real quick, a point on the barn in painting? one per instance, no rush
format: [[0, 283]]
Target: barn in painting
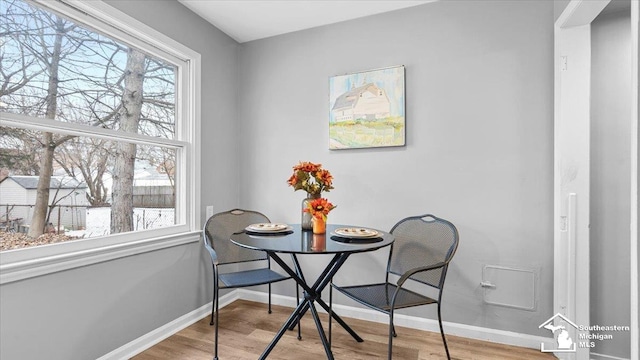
[[367, 102]]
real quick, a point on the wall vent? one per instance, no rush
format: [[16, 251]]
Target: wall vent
[[510, 287]]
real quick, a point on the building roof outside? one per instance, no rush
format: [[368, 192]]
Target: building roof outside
[[57, 182]]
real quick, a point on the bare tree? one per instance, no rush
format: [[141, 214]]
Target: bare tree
[[54, 69], [125, 153], [19, 151], [43, 42], [57, 199], [90, 157], [49, 142], [17, 70]]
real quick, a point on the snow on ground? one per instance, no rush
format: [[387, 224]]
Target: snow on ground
[[99, 220], [98, 224]]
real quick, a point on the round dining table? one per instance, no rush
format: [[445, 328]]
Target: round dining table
[[337, 241]]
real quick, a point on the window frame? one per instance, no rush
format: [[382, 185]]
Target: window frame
[[24, 263]]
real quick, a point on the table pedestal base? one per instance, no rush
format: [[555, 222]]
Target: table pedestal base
[[312, 295]]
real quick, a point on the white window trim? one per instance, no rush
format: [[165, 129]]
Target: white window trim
[[25, 263]]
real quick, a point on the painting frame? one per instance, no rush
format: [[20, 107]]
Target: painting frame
[[367, 109]]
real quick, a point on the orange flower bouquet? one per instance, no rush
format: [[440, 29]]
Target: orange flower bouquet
[[319, 209], [311, 178]]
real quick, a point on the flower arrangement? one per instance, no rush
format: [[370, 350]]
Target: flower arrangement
[[311, 178], [319, 208]]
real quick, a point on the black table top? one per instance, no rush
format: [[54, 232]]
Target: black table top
[[305, 242]]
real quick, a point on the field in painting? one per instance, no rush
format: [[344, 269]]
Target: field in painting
[[367, 133]]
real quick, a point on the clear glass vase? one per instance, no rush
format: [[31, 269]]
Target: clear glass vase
[[306, 223]]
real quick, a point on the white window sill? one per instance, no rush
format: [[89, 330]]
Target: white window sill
[[21, 269]]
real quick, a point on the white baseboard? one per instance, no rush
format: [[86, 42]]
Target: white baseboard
[[146, 341], [473, 332], [596, 356]]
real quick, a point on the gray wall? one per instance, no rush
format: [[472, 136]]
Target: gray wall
[[558, 7], [636, 39], [87, 312], [479, 90], [610, 191]]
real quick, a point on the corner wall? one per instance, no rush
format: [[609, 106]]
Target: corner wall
[[610, 174], [479, 90]]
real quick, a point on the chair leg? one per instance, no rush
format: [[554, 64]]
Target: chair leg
[[393, 328], [213, 303], [444, 340], [215, 357], [392, 332], [213, 306], [269, 298]]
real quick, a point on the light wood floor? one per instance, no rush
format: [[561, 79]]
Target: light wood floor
[[246, 328]]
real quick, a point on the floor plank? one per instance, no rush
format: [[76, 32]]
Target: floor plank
[[246, 329]]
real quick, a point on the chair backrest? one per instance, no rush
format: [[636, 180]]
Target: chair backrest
[[422, 241], [221, 226]]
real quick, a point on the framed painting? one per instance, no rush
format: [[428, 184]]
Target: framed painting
[[367, 109]]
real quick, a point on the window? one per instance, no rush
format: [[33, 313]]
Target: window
[[98, 135]]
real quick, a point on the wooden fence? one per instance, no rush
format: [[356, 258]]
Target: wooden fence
[[154, 197]]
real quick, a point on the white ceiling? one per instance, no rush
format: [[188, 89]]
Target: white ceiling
[[246, 20]]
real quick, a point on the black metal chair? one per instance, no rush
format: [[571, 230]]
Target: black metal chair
[[424, 245], [216, 234]]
